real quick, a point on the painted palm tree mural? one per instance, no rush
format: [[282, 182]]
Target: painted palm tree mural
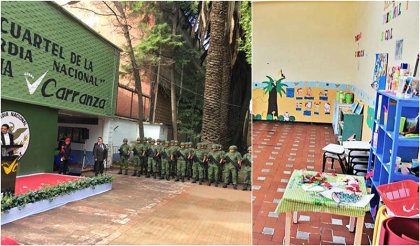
[[273, 88]]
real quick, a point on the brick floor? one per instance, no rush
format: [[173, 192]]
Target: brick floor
[[143, 211], [299, 146]]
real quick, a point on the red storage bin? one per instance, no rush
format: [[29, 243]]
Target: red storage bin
[[401, 197], [399, 231]]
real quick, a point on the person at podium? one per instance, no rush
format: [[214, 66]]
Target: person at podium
[[6, 140]]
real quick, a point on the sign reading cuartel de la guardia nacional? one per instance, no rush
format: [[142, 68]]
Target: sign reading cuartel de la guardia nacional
[[48, 58]]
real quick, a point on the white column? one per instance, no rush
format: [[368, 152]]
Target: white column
[[107, 137]]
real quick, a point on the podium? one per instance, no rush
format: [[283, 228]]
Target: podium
[[9, 164]]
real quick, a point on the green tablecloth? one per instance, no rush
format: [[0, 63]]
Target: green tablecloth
[[295, 198]]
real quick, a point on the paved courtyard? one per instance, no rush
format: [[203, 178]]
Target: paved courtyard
[[143, 211]]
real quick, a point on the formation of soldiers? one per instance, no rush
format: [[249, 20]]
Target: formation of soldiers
[[170, 160]]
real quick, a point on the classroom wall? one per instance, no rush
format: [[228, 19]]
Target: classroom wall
[[315, 41], [307, 40], [315, 57], [369, 19]]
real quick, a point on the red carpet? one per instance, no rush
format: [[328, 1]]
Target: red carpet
[[36, 181]]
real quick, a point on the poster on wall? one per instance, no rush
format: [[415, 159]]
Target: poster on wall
[[399, 49], [379, 74], [302, 101]]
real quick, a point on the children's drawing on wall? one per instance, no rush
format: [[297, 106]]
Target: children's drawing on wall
[[273, 88], [299, 93], [286, 116], [379, 73], [308, 109], [308, 95], [298, 106], [323, 95], [290, 92], [327, 108], [317, 105], [399, 49]]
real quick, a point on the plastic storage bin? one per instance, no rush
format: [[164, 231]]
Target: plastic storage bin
[[402, 197]]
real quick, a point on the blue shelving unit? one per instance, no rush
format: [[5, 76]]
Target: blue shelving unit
[[390, 143]]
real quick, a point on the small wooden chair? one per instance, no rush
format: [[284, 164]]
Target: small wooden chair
[[334, 152]]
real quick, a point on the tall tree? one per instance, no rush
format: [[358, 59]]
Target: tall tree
[[122, 20]]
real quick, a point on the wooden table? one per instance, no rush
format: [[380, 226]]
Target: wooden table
[[296, 199]]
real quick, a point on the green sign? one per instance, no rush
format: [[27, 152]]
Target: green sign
[[49, 58]]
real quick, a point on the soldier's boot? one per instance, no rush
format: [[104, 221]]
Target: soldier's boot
[[120, 172], [200, 181], [194, 180], [138, 174], [135, 173], [224, 185], [126, 172], [245, 187], [216, 184], [177, 179], [235, 187], [147, 175], [249, 187], [209, 183], [167, 176], [161, 176], [155, 175], [182, 179]]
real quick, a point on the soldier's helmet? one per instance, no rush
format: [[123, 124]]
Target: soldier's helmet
[[152, 140], [233, 147], [172, 142], [158, 140], [214, 147], [166, 143], [139, 139], [249, 148], [176, 142], [203, 145], [182, 144], [198, 145], [125, 140]]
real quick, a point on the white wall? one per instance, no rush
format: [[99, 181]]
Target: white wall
[[369, 21], [308, 40]]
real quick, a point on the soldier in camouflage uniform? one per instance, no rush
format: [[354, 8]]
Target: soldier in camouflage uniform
[[214, 159], [173, 158], [137, 149], [143, 158], [221, 153], [189, 162], [150, 155], [181, 163], [124, 155], [205, 149], [198, 165], [157, 163], [165, 157], [246, 167], [231, 167]]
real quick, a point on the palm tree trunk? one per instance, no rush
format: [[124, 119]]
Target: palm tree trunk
[[272, 103], [215, 61]]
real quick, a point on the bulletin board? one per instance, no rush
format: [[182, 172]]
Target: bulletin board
[[302, 101]]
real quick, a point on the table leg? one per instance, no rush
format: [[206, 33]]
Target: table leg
[[295, 217], [287, 228], [359, 230]]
